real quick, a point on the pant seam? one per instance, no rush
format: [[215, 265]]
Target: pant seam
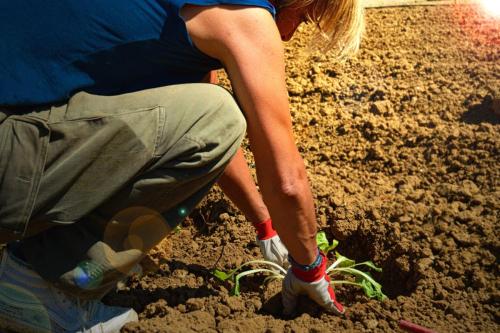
[[160, 130]]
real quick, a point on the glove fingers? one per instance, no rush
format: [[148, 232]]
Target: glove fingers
[[337, 307], [326, 299], [272, 249]]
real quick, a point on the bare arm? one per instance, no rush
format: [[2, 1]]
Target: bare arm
[[237, 183], [247, 42]]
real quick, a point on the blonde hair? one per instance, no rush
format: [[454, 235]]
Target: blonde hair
[[340, 23]]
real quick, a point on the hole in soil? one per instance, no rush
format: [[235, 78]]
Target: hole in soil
[[398, 276]]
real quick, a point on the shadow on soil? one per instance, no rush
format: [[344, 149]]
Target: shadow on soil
[[484, 112], [138, 297]]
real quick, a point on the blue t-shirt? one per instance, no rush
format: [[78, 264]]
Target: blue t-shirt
[[51, 49]]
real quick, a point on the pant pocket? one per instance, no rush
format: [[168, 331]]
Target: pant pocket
[[92, 158], [23, 150]]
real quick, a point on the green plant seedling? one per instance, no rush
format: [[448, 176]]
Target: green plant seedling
[[341, 266], [364, 280], [277, 272]]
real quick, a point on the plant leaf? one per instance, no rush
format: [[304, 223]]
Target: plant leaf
[[273, 278], [223, 276], [371, 287], [236, 289], [367, 287], [278, 273], [369, 264], [334, 282], [358, 274], [344, 261], [323, 243], [372, 291], [262, 262], [341, 261]]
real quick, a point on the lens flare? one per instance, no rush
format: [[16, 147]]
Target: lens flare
[[491, 7], [182, 211]]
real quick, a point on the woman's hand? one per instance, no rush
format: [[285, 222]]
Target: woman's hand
[[314, 283]]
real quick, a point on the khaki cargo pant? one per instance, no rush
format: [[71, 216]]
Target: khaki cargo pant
[[88, 187]]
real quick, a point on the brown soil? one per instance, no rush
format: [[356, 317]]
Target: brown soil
[[402, 147]]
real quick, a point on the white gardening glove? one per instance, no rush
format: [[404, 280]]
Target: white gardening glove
[[274, 250], [314, 283], [270, 244]]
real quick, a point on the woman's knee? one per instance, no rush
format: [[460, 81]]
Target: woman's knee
[[226, 121], [229, 115]]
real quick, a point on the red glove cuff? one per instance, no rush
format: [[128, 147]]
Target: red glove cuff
[[313, 274], [265, 229]]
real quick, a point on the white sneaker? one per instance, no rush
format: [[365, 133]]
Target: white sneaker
[[30, 304]]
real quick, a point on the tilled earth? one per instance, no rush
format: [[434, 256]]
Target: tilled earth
[[402, 148]]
